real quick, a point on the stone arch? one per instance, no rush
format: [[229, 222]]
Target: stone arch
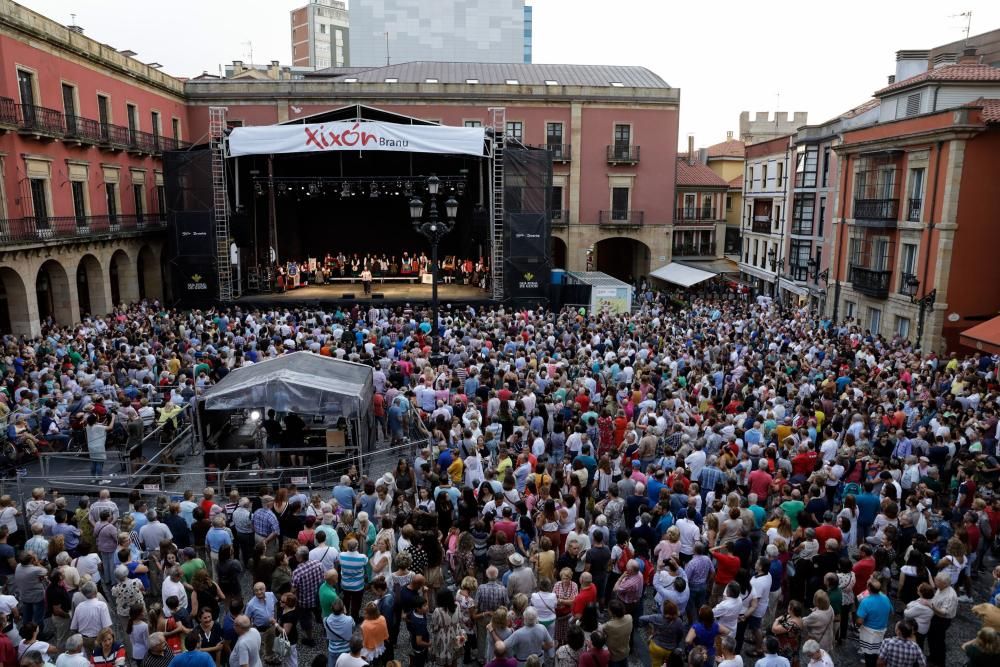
[[15, 307], [91, 291], [150, 275], [123, 278], [558, 253], [52, 291], [622, 257]]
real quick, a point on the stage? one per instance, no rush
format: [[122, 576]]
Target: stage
[[391, 292]]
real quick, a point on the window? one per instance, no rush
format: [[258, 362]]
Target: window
[[822, 216], [132, 114], [763, 177], [69, 107], [473, 123], [803, 208], [175, 130], [908, 258], [26, 86], [468, 81], [902, 326], [40, 201], [104, 115], [780, 169], [880, 254], [756, 247], [707, 210], [746, 251], [553, 135], [851, 308], [551, 82], [876, 180], [391, 79], [623, 140], [916, 194], [805, 166], [777, 218], [161, 201], [79, 191], [430, 80], [154, 119], [111, 196], [139, 197], [556, 203], [874, 320], [799, 253], [511, 82], [619, 203], [233, 123], [911, 107], [322, 28], [826, 166], [617, 84], [515, 129], [729, 203]]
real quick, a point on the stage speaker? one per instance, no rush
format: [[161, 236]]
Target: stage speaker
[[378, 295], [347, 295]]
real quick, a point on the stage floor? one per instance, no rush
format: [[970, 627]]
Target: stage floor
[[391, 292]]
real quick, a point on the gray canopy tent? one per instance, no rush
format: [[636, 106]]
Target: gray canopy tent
[[304, 383]]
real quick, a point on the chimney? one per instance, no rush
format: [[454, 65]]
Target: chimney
[[729, 135], [969, 56], [78, 29], [237, 67], [703, 155], [892, 79], [274, 72], [691, 149], [910, 63]]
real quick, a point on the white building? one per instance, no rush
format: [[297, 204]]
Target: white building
[[765, 183], [320, 35], [398, 31]]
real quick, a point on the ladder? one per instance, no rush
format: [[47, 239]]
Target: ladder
[[220, 200], [498, 123]]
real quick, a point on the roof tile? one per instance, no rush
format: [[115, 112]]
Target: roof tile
[[727, 148], [698, 174], [959, 72]]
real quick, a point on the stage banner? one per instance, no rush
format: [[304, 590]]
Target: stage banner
[[356, 136], [526, 279]]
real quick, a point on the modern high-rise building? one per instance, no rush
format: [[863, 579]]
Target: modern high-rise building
[[385, 32], [320, 35]]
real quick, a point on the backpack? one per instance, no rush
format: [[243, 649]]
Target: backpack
[[648, 570], [625, 557], [853, 488]]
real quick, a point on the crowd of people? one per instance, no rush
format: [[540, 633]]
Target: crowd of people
[[697, 482]]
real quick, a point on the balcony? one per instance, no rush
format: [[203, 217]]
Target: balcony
[[874, 283], [913, 208], [560, 152], [621, 218], [876, 213], [559, 217], [30, 230], [759, 226], [702, 250], [623, 154], [904, 278], [41, 122], [798, 273], [687, 214]]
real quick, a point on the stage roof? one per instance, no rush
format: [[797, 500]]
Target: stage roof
[[359, 111], [301, 382], [678, 274]]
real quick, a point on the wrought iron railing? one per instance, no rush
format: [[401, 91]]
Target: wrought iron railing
[[24, 230], [873, 282], [876, 209], [761, 226], [621, 217], [623, 153], [560, 152], [559, 217], [913, 209], [695, 214], [35, 119]]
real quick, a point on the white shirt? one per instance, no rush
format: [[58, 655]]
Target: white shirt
[[824, 660], [327, 555], [727, 612], [760, 588], [689, 535], [171, 587], [828, 450], [90, 617]]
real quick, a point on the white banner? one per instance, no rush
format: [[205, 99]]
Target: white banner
[[356, 136]]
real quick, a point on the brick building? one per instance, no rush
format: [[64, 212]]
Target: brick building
[[82, 131]]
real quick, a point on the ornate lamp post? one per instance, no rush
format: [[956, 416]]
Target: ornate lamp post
[[910, 288], [812, 271], [433, 229], [777, 265]]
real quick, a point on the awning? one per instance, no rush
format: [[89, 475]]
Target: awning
[[678, 274], [719, 265], [799, 290], [984, 337]]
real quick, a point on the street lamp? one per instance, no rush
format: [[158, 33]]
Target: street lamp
[[811, 268], [910, 287], [777, 265], [433, 229]]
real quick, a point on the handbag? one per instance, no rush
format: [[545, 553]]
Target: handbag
[[282, 647]]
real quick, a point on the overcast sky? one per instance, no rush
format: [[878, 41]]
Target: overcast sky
[[725, 56]]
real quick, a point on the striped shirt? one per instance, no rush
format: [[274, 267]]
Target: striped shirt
[[352, 570]]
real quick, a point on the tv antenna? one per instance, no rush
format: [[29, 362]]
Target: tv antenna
[[249, 51], [967, 15], [777, 105]]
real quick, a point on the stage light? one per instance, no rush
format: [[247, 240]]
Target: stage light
[[408, 189], [374, 191], [460, 188], [255, 415], [313, 189], [282, 188], [258, 188], [345, 190]]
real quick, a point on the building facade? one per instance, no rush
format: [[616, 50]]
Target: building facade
[[387, 32], [82, 132], [612, 132], [727, 159], [765, 179], [915, 224], [699, 223], [321, 35], [764, 127]]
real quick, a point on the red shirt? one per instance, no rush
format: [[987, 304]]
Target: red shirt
[[587, 595], [378, 405], [760, 483], [595, 658], [584, 402], [825, 532], [206, 507], [862, 571], [8, 656], [726, 567], [508, 528], [804, 463]]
